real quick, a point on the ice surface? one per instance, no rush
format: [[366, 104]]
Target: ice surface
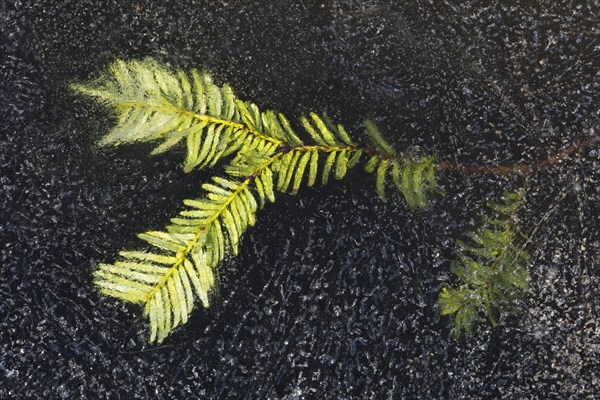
[[333, 294]]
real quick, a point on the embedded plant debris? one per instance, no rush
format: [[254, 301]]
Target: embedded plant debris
[[263, 154]]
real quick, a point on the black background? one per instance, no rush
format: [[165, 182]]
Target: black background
[[333, 294]]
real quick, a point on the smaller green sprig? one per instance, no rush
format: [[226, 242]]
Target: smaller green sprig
[[490, 267]]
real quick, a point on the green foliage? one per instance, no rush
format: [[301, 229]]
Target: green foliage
[[185, 255], [490, 268], [154, 104], [266, 155], [413, 176], [385, 149]]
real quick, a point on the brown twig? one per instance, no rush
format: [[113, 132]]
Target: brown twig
[[516, 169]]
